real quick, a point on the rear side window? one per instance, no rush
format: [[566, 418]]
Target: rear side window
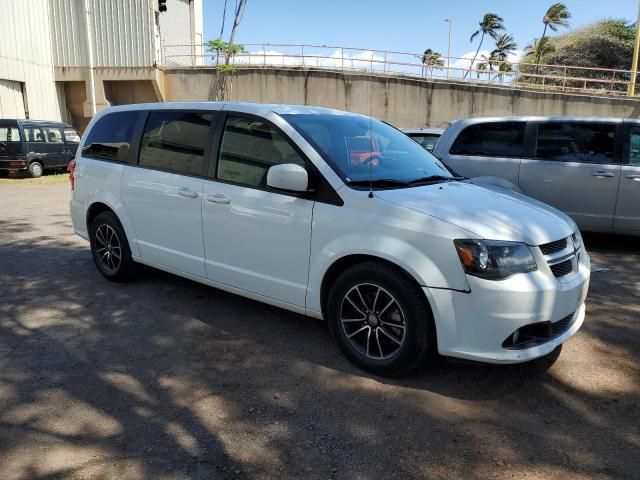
[[53, 135], [249, 148], [111, 136], [9, 134], [176, 141], [577, 142], [500, 139], [34, 134]]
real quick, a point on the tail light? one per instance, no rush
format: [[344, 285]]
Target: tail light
[[72, 171]]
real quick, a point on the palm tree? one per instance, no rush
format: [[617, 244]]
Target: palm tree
[[557, 16], [537, 48], [431, 59], [505, 46], [490, 25]]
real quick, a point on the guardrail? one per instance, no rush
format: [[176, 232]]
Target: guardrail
[[560, 78]]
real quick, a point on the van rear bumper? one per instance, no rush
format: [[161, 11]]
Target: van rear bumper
[[13, 164]]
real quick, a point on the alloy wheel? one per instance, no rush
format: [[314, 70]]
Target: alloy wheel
[[108, 249]]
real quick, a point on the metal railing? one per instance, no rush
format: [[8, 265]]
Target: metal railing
[[559, 78]]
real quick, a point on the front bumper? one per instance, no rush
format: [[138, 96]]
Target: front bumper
[[475, 325]]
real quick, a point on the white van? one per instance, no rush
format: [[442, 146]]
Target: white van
[[332, 215]]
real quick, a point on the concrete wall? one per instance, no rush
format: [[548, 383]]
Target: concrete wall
[[404, 102]]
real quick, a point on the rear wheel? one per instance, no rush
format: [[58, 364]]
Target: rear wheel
[[380, 319], [110, 248], [35, 169]]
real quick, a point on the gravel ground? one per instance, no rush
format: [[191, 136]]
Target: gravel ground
[[168, 379]]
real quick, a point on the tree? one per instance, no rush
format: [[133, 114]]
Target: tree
[[490, 25], [557, 15], [431, 60], [223, 82], [540, 47]]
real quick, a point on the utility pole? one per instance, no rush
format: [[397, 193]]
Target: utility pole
[[448, 20], [634, 67]]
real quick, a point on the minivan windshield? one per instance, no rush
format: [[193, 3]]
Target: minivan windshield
[[366, 151]]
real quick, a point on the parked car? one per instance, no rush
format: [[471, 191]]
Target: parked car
[[401, 257], [427, 137], [587, 167], [36, 146]]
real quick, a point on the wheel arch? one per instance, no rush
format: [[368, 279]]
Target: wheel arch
[[100, 205]]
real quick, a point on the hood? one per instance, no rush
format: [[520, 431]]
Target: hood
[[491, 214]]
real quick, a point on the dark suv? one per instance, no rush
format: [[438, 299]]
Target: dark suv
[[36, 146]]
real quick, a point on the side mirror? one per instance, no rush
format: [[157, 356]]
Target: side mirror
[[288, 176]]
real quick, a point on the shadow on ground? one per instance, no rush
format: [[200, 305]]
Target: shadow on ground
[[167, 378]]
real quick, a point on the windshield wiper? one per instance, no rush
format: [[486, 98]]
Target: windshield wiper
[[380, 182], [433, 179]]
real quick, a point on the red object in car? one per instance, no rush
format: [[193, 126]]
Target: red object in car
[[363, 151], [72, 171]]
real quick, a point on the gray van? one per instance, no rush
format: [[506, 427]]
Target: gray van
[[587, 167], [35, 146]]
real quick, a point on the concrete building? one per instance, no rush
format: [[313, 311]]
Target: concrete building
[[67, 59]]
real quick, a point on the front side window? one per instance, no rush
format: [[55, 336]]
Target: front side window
[[71, 135], [249, 147], [499, 139], [634, 147], [577, 142], [53, 135], [34, 135], [175, 142], [9, 134], [110, 137], [361, 149]]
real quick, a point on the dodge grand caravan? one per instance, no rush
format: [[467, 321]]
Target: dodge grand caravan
[[401, 257]]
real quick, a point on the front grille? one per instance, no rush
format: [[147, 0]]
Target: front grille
[[562, 269], [537, 333], [554, 247]]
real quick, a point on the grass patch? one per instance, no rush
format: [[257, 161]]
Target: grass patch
[[47, 179]]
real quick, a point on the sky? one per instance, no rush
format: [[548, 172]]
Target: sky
[[401, 25]]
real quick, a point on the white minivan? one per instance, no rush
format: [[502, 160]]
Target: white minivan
[[332, 215]]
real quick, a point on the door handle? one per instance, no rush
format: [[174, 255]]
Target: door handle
[[634, 177], [602, 174], [185, 192], [217, 198]]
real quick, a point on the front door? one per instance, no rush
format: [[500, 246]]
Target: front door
[[163, 192], [628, 207], [256, 239], [576, 169]]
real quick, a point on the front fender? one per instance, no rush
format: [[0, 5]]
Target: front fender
[[446, 273]]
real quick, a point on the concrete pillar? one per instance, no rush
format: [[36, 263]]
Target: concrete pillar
[[100, 97]]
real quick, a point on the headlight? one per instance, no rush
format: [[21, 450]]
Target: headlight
[[494, 260]]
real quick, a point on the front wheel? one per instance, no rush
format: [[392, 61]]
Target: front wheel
[[35, 169], [381, 319], [110, 248]]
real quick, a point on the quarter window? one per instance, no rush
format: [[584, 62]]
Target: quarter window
[[634, 147], [500, 139], [110, 138], [9, 134], [176, 141], [249, 148], [577, 142]]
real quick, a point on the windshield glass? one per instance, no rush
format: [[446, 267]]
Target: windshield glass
[[363, 149]]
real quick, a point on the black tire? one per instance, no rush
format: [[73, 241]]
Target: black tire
[[411, 309], [4, 173], [35, 169], [107, 239]]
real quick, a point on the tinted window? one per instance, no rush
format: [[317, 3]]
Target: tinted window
[[71, 135], [427, 141], [9, 134], [634, 146], [34, 134], [503, 139], [175, 141], [359, 148], [110, 138], [249, 148], [52, 135], [577, 142]]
